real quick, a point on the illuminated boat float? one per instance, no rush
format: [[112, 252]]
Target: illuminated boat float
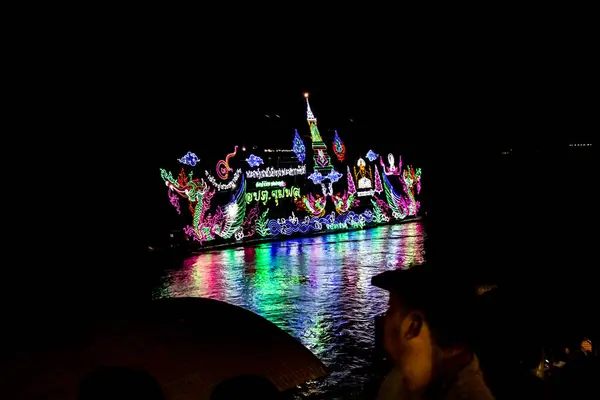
[[245, 198]]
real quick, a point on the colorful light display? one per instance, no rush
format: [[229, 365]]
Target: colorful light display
[[391, 169], [396, 202], [190, 159], [265, 196], [298, 147], [378, 186], [254, 161], [351, 186], [261, 184], [276, 173], [314, 205], [338, 148], [366, 197], [223, 168], [344, 202], [371, 155], [224, 186]]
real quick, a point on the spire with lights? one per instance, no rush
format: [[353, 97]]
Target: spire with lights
[[309, 114], [323, 172]]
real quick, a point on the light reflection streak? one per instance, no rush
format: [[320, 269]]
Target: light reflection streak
[[318, 289]]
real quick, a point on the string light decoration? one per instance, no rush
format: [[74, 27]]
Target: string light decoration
[[174, 199], [351, 186], [261, 184], [379, 215], [247, 213], [410, 178], [327, 189], [344, 202], [234, 212], [189, 158], [395, 201], [271, 172], [298, 147], [196, 191], [334, 176], [378, 186], [254, 161], [316, 177], [223, 168], [224, 186], [371, 155], [293, 224], [262, 224], [322, 161], [250, 222], [391, 169], [314, 205], [338, 147], [265, 196]]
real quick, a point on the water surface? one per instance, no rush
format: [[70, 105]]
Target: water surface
[[318, 289]]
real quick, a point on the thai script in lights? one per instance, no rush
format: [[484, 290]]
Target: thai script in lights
[[278, 150], [365, 193], [276, 173], [265, 196], [261, 184], [224, 186]]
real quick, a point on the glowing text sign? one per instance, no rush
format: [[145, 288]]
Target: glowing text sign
[[276, 173], [265, 196], [261, 184]]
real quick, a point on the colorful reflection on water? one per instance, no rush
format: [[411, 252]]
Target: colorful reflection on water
[[317, 289]]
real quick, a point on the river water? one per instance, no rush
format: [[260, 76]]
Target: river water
[[318, 289]]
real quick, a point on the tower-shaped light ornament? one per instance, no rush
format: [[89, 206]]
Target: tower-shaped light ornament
[[322, 160], [351, 186], [298, 147], [378, 185]]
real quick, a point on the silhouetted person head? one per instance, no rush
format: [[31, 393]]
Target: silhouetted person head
[[119, 383], [245, 387], [429, 326]]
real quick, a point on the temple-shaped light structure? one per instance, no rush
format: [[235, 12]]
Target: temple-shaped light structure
[[321, 158]]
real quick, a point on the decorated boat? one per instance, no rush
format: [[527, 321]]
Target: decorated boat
[[307, 189]]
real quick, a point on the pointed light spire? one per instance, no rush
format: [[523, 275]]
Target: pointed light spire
[[309, 114]]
